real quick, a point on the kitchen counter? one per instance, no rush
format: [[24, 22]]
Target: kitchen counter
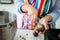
[[27, 35]]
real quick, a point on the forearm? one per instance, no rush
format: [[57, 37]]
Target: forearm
[[18, 4], [55, 15], [48, 18]]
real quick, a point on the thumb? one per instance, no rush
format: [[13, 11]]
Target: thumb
[[46, 27]]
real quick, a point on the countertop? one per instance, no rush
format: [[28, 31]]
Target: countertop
[[27, 35]]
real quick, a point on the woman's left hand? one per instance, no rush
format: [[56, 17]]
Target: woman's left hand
[[45, 21]]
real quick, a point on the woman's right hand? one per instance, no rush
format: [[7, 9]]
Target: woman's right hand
[[25, 6], [30, 10]]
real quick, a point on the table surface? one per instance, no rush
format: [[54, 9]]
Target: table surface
[[27, 35]]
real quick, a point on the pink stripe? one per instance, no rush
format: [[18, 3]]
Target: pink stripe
[[33, 2]]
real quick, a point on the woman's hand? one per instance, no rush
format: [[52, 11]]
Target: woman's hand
[[30, 10], [25, 6], [45, 21]]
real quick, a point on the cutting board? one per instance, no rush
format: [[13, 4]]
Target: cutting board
[[27, 35]]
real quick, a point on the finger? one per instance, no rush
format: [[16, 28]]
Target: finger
[[24, 8], [41, 32], [46, 27], [35, 30]]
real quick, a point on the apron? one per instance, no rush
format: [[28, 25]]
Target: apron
[[43, 7]]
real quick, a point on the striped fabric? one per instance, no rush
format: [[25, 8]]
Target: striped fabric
[[32, 2], [43, 6]]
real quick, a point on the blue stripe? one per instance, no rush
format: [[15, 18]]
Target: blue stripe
[[31, 1], [36, 5], [46, 7], [53, 25]]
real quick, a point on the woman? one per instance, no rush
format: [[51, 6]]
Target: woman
[[49, 18]]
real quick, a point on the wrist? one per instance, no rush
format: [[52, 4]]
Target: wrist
[[48, 18]]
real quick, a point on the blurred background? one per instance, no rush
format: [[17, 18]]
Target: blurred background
[[8, 5]]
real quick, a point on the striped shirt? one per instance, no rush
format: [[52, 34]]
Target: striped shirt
[[54, 12]]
